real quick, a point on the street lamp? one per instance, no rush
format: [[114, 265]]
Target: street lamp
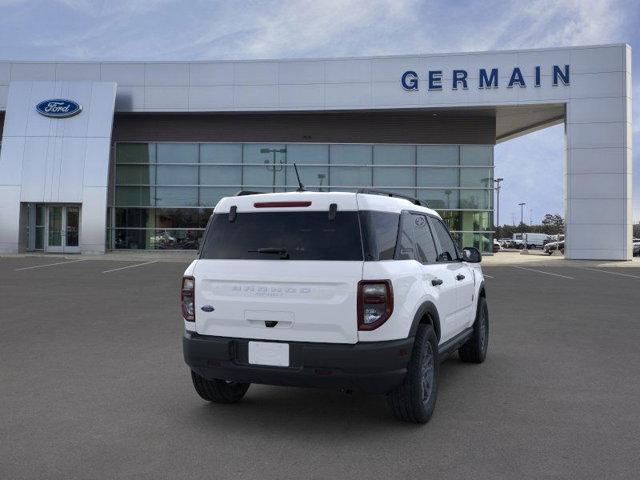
[[497, 181], [524, 240], [273, 165]]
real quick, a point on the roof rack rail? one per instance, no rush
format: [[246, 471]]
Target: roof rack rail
[[373, 191], [242, 193]]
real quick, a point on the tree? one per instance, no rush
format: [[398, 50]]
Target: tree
[[553, 220]]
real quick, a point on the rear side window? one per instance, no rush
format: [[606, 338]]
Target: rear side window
[[380, 232], [284, 235], [415, 241], [425, 247], [448, 250]]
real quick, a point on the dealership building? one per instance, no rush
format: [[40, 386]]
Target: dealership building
[[99, 156]]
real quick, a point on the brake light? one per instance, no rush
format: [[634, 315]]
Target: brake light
[[281, 204], [187, 298], [375, 303]]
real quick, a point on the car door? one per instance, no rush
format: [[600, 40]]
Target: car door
[[438, 280], [461, 274]]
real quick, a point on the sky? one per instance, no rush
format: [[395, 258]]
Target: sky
[[532, 165]]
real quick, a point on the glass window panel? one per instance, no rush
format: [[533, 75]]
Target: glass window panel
[[438, 177], [221, 153], [214, 175], [351, 176], [476, 155], [471, 221], [131, 239], [177, 152], [39, 238], [135, 196], [40, 217], [135, 174], [351, 155], [307, 154], [210, 196], [262, 176], [476, 199], [394, 154], [134, 217], [312, 177], [177, 217], [482, 241], [177, 175], [175, 239], [135, 153], [452, 219], [440, 199], [176, 196], [438, 155], [476, 177], [394, 177]]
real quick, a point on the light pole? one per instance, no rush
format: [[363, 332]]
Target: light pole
[[274, 166], [524, 240], [448, 194], [497, 181]]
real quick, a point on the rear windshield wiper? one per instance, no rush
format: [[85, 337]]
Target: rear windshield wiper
[[284, 254]]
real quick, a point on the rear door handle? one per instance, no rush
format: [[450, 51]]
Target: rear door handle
[[459, 277], [436, 281]]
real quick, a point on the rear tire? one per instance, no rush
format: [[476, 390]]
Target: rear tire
[[219, 391], [415, 400], [475, 349]]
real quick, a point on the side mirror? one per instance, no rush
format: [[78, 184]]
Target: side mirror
[[471, 255]]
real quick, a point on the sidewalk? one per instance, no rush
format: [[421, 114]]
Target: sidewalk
[[536, 257]]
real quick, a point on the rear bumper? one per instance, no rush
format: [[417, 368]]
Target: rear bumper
[[373, 367]]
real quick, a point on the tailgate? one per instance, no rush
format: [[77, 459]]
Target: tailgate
[[304, 301]]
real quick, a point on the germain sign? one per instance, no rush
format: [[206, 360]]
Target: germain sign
[[487, 78], [58, 108]]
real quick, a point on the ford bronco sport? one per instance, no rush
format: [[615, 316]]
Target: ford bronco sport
[[356, 291]]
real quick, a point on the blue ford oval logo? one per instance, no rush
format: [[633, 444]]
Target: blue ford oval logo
[[58, 108]]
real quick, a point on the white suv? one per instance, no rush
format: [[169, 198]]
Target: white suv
[[356, 291]]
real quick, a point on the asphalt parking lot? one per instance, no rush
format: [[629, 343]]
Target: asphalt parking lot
[[93, 385]]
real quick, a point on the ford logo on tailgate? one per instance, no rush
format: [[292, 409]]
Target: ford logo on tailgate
[[58, 108]]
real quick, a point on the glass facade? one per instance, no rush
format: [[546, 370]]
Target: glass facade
[[164, 192]]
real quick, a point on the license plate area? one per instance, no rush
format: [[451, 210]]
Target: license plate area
[[269, 353]]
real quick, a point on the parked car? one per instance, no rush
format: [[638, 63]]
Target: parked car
[[636, 247], [533, 240], [553, 246], [496, 246], [354, 291]]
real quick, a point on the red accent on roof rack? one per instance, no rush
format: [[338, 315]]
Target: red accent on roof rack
[[281, 204]]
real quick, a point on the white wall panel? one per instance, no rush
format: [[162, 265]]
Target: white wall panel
[[206, 74], [11, 156], [77, 72], [300, 72], [301, 96], [9, 218], [130, 74], [166, 98], [166, 74], [256, 73], [33, 71]]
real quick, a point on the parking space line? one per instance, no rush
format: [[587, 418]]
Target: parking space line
[[545, 273], [130, 266], [610, 273], [49, 265], [485, 275]]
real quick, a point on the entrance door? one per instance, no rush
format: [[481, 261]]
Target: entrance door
[[63, 227]]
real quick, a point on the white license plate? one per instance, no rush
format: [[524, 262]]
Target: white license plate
[[269, 353]]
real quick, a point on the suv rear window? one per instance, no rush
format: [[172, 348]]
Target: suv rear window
[[284, 235]]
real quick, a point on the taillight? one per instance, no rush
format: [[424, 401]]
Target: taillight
[[375, 303], [187, 298]]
